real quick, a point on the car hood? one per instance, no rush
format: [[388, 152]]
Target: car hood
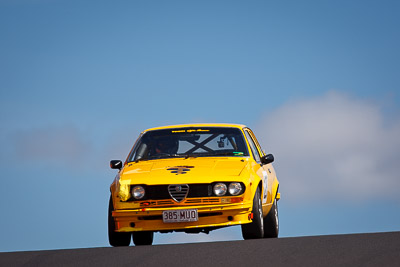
[[177, 171]]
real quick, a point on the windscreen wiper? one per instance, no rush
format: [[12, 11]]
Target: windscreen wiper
[[233, 153], [190, 156], [166, 155], [139, 159]]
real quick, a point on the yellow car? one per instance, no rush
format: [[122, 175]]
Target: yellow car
[[193, 178]]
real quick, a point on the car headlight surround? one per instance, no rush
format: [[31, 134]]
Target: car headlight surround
[[220, 189], [138, 192], [235, 188]]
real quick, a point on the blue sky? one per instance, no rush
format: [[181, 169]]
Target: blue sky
[[318, 81]]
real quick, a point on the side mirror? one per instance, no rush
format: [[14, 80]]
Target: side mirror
[[116, 164], [267, 159]]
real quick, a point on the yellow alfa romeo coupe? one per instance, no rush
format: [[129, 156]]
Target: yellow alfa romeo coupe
[[193, 178]]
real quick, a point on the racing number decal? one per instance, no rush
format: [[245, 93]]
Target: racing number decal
[[265, 175]]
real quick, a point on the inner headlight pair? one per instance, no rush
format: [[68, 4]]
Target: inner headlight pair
[[138, 192], [234, 189]]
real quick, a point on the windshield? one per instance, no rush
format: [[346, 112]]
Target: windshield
[[189, 142]]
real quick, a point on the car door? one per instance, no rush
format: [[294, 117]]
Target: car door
[[258, 167], [267, 171]]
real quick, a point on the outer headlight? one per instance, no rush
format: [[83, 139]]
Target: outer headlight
[[138, 192], [235, 189], [220, 189]]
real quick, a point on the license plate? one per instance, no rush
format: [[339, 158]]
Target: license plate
[[172, 216]]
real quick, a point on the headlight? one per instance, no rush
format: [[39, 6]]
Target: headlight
[[219, 189], [235, 189], [138, 192]]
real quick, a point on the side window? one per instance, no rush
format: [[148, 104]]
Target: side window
[[257, 143], [253, 147], [132, 154]]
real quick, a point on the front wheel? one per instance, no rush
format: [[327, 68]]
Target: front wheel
[[116, 239], [142, 238], [271, 222], [255, 229]]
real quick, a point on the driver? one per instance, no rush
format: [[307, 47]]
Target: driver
[[166, 146]]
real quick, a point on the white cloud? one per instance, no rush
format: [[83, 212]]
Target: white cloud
[[51, 144], [333, 147], [67, 146]]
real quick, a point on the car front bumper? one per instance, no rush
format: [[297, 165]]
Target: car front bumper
[[150, 219]]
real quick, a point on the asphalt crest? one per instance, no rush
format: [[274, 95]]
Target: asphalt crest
[[374, 249]]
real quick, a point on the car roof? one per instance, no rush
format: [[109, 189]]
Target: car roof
[[227, 125]]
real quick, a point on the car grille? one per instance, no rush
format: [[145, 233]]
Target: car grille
[[178, 192], [161, 192], [204, 200], [168, 195], [187, 201]]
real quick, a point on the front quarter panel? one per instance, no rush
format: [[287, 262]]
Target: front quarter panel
[[119, 190]]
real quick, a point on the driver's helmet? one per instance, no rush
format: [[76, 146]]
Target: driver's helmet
[[166, 145]]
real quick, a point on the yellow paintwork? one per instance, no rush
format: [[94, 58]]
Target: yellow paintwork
[[205, 170]]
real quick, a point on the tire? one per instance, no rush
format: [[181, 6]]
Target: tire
[[116, 239], [142, 238], [271, 222], [255, 229]]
